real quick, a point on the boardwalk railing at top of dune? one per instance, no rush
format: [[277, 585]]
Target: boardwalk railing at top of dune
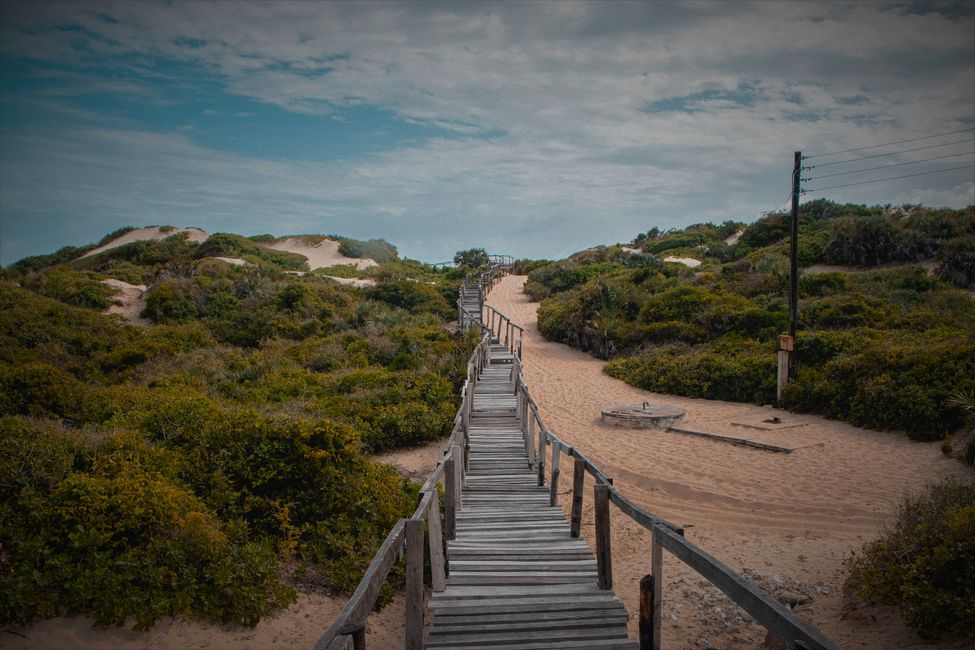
[[407, 536]]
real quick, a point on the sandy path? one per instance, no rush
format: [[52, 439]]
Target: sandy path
[[796, 516]]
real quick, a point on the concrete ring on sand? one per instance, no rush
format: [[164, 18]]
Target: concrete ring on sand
[[642, 416]]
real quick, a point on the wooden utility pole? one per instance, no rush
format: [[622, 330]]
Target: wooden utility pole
[[794, 254]]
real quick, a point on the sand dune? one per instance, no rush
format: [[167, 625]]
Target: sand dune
[[796, 516], [152, 232], [319, 255]]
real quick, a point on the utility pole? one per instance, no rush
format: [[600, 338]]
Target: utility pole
[[794, 254]]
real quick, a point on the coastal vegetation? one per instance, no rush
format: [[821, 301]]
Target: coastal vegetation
[[884, 344], [886, 340], [924, 562], [211, 462]]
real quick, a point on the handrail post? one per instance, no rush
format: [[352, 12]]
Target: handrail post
[[450, 492], [542, 439], [554, 495], [414, 584], [578, 481], [530, 442], [459, 478], [657, 569], [604, 560], [438, 580]]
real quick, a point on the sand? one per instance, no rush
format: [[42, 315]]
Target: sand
[[299, 626], [791, 518], [686, 261], [319, 255], [128, 302], [152, 232]]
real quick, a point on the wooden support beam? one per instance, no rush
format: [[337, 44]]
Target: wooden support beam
[[657, 599], [438, 578], [542, 433], [604, 554], [554, 494], [578, 481], [414, 584], [450, 492], [646, 612]]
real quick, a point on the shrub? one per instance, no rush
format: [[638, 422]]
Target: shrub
[[71, 287], [378, 250], [924, 562]]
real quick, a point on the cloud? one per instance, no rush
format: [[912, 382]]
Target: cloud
[[568, 123]]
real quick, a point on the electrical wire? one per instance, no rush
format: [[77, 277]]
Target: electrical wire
[[900, 164], [892, 178], [892, 153], [888, 144]]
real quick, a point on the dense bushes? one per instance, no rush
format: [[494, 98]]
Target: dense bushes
[[196, 466], [924, 562], [884, 348], [379, 250]]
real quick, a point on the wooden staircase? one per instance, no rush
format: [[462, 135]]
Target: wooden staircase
[[517, 578]]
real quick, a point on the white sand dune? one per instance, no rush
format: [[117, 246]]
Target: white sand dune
[[319, 255], [153, 232], [686, 261]]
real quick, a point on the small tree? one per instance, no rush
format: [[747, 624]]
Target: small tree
[[472, 257]]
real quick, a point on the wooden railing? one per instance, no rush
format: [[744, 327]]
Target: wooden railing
[[778, 619], [407, 536]]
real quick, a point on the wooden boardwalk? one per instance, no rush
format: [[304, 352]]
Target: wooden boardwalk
[[517, 579]]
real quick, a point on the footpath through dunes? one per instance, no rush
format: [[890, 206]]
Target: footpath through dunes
[[517, 578], [787, 521]]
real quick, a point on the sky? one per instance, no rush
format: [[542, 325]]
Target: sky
[[534, 129]]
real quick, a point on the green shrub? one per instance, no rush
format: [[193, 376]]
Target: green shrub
[[71, 287], [924, 562], [228, 245], [378, 250]]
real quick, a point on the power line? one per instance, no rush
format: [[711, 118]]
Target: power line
[[892, 153], [892, 178], [911, 162], [887, 144]]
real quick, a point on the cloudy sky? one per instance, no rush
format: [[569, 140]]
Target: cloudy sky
[[529, 128]]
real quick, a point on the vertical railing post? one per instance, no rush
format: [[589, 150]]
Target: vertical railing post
[[657, 568], [414, 584], [459, 478], [556, 455], [542, 440], [646, 612], [604, 554], [578, 481], [438, 580], [530, 442], [450, 492]]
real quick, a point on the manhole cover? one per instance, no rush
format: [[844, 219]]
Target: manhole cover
[[643, 416]]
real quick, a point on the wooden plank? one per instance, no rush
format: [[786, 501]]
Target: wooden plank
[[521, 636]]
